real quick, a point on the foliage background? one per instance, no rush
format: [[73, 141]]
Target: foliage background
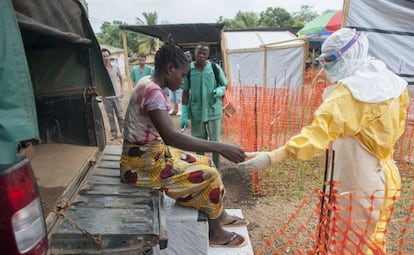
[[138, 43]]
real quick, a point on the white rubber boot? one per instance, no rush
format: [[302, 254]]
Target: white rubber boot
[[172, 111], [179, 110]]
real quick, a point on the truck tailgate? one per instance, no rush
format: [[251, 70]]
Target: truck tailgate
[[107, 216]]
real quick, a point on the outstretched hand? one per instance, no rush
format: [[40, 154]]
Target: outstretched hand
[[263, 159], [259, 160], [232, 152]]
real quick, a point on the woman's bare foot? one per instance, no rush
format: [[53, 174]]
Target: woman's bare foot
[[227, 220], [227, 239], [218, 236]]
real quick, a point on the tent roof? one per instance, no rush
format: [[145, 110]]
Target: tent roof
[[181, 33], [236, 40], [293, 30]]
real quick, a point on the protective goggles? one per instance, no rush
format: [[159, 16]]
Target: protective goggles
[[328, 60]]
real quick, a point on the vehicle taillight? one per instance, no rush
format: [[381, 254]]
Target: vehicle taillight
[[21, 213], [28, 226]]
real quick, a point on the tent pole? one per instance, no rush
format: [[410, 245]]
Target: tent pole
[[313, 58], [291, 40], [124, 43]]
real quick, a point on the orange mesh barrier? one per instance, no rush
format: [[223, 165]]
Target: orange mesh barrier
[[265, 118], [344, 225]]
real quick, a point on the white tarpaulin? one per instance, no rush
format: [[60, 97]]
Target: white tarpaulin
[[263, 58], [389, 26]]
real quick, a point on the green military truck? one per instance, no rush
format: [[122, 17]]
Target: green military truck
[[51, 71], [68, 198]]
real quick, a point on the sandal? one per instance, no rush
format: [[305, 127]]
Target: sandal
[[236, 222], [232, 242]]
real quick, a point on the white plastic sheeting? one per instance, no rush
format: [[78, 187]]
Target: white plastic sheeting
[[264, 58], [389, 27]]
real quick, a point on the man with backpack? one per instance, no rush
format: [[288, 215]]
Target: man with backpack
[[203, 89]]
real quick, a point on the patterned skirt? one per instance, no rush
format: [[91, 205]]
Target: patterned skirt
[[190, 179]]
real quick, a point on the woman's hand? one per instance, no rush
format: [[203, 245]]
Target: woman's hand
[[232, 152]]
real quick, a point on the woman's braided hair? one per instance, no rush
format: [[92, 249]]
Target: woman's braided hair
[[169, 53]]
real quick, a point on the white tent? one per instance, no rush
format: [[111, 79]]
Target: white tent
[[389, 26], [264, 58]]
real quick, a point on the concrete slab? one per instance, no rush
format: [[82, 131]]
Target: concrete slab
[[245, 250]]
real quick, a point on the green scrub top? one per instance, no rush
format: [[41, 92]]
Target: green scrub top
[[136, 73], [203, 106]]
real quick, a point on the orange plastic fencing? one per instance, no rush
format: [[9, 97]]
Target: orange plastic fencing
[[328, 223], [265, 118]]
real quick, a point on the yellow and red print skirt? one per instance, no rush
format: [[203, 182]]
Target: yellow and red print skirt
[[188, 178]]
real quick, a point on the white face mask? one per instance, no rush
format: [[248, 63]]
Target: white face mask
[[333, 74], [332, 58]]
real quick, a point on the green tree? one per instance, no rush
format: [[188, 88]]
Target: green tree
[[242, 20], [147, 44], [111, 35], [151, 18], [275, 17], [305, 14]]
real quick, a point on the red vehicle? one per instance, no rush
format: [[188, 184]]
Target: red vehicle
[[23, 229]]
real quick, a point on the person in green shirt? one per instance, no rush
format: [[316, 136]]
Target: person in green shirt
[[141, 70], [202, 98]]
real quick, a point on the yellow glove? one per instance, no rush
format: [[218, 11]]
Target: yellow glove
[[262, 159]]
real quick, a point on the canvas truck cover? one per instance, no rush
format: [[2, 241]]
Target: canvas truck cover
[[35, 35], [389, 25], [59, 32], [17, 107]]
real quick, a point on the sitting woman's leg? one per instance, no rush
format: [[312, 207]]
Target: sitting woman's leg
[[188, 178]]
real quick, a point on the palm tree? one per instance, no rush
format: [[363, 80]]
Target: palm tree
[[148, 43]]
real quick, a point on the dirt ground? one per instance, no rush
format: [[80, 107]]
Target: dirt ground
[[266, 214]]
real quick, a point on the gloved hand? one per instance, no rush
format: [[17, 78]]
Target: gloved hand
[[262, 159], [183, 119], [219, 91], [278, 155]]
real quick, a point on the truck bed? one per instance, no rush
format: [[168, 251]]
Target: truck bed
[[105, 215], [56, 168]]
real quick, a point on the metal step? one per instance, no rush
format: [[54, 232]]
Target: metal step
[[110, 217]]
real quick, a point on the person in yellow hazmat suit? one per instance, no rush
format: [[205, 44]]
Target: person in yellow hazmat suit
[[363, 114]]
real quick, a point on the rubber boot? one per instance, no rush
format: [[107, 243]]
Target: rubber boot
[[179, 110]]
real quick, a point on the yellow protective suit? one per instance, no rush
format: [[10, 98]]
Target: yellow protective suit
[[365, 135]]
